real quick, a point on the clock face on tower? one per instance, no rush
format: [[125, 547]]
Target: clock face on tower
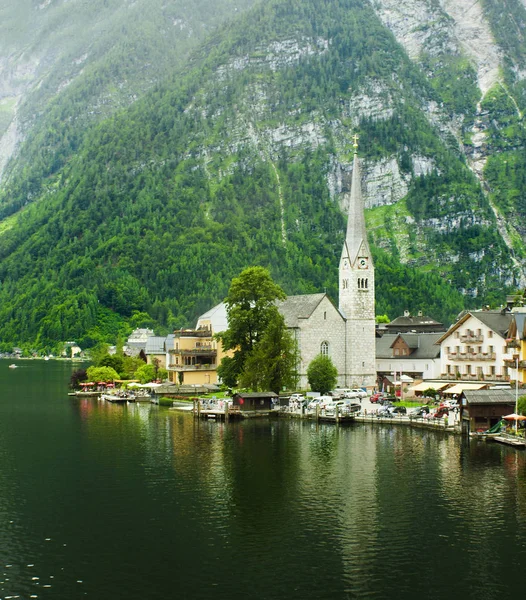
[[363, 262]]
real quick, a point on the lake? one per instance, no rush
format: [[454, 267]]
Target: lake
[[139, 502]]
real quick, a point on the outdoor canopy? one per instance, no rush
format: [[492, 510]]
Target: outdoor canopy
[[514, 417]]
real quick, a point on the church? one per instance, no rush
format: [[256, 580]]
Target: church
[[345, 333]]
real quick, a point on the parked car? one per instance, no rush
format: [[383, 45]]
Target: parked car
[[384, 411], [359, 393], [420, 412], [297, 397], [441, 412], [346, 405], [398, 410], [376, 397]]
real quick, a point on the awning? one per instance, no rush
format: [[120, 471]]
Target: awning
[[460, 387], [426, 385]]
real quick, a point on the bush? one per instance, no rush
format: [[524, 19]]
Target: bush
[[163, 401]]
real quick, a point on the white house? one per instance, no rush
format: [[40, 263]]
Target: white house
[[475, 347]]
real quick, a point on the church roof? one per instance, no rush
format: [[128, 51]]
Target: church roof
[[294, 308], [356, 235]]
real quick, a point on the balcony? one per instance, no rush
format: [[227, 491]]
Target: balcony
[[472, 338], [512, 343], [512, 364], [197, 367], [471, 356], [201, 351]]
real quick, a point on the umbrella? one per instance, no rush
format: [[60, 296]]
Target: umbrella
[[514, 417]]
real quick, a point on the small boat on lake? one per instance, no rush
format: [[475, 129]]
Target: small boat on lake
[[13, 366]]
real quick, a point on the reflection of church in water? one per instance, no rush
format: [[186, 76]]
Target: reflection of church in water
[[346, 334]]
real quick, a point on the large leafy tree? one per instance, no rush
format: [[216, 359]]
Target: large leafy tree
[[272, 364], [521, 405], [322, 374], [251, 306], [256, 332]]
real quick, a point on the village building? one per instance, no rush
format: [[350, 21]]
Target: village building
[[193, 355], [475, 347], [157, 350], [481, 409], [415, 355]]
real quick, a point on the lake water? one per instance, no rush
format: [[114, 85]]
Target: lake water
[[139, 502]]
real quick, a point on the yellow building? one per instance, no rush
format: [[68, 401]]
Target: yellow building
[[195, 355]]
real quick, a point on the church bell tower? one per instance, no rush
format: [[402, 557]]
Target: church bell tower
[[356, 301]]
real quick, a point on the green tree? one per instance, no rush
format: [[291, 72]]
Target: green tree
[[106, 374], [145, 373], [251, 307], [228, 371], [521, 405], [272, 363], [322, 374]]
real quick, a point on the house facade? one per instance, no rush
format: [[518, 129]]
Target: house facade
[[193, 354], [475, 348], [416, 355]]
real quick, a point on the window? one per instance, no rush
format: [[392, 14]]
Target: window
[[397, 351], [324, 349], [363, 284], [490, 333], [325, 315], [345, 284]]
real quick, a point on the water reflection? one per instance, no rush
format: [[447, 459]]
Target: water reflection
[[137, 501]]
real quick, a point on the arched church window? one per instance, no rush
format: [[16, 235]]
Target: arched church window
[[365, 282], [324, 349]]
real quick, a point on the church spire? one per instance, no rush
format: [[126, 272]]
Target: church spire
[[356, 236]]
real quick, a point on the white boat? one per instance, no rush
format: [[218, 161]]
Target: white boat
[[13, 366]]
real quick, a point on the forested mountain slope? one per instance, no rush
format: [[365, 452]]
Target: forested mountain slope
[[243, 156], [67, 63]]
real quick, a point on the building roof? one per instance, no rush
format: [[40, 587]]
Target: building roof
[[256, 395], [519, 320], [497, 320], [424, 345], [460, 388], [294, 308], [155, 344], [409, 322], [217, 317], [356, 234], [497, 396]]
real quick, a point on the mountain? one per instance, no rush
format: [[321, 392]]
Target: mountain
[[242, 155]]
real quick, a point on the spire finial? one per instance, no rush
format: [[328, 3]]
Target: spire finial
[[355, 139]]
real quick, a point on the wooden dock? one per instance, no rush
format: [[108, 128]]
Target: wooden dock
[[510, 441]]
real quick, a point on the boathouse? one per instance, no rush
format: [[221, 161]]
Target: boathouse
[[481, 409], [254, 401]]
